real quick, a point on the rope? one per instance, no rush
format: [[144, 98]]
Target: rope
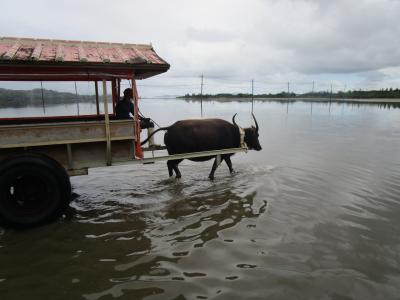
[[140, 113]]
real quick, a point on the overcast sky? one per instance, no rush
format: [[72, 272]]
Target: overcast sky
[[349, 44]]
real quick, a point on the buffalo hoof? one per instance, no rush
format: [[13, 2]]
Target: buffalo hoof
[[178, 176], [74, 195], [211, 177]]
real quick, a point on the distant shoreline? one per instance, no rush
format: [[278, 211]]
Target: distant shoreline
[[297, 99]]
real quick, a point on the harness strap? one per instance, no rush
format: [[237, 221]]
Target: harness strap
[[242, 142]]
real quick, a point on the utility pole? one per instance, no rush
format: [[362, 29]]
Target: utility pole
[[201, 95], [313, 85], [252, 95], [330, 96]]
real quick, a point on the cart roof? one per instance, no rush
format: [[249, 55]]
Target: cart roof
[[45, 59]]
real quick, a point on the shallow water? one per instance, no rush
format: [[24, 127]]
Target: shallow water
[[314, 215]]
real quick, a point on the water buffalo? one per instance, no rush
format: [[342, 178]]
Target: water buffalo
[[196, 135]]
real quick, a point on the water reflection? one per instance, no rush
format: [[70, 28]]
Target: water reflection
[[380, 103], [194, 216]]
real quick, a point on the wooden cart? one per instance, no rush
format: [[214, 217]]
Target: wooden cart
[[37, 155]]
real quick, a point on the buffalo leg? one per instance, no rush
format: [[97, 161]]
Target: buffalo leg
[[216, 163], [173, 165], [229, 163], [170, 168]]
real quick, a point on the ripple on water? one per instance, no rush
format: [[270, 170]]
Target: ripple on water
[[193, 216]]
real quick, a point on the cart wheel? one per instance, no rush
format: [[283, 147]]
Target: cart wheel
[[34, 189]]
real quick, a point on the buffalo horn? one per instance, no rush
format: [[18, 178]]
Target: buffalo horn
[[233, 120], [255, 121]]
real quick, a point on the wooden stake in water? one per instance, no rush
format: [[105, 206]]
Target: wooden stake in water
[[288, 97], [201, 95], [312, 93]]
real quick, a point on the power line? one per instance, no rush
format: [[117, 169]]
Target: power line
[[219, 84], [166, 85]]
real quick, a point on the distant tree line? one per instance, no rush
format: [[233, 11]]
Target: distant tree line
[[355, 94], [23, 98]]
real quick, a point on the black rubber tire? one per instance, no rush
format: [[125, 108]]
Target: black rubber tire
[[34, 189]]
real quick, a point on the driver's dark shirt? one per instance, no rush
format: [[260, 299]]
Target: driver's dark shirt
[[123, 108]]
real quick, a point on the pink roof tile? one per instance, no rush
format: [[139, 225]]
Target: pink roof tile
[[70, 51], [29, 59]]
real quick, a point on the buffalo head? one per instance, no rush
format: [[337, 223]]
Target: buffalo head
[[250, 135]]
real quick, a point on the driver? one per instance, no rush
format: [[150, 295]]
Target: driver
[[125, 110]]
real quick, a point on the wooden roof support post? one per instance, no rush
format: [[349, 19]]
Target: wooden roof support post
[[107, 123], [114, 93], [138, 147], [96, 87], [118, 89]]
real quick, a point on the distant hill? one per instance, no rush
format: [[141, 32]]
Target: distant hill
[[23, 98]]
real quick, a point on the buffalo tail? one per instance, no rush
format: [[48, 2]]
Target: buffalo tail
[[159, 129]]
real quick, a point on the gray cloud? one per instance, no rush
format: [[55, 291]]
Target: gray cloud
[[208, 35]]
